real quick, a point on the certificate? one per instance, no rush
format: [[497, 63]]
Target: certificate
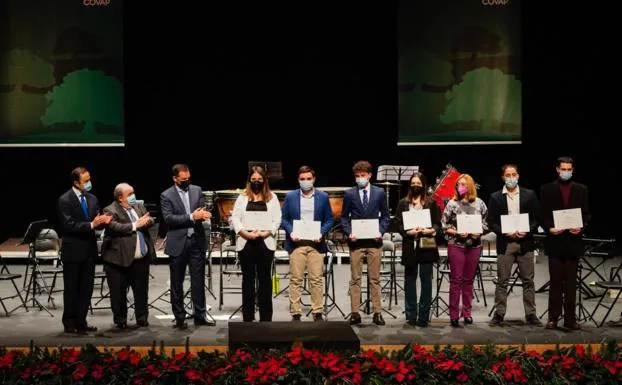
[[470, 224], [515, 223], [307, 230], [417, 218], [567, 219], [257, 220], [366, 228]]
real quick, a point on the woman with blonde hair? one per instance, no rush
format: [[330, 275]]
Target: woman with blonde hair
[[256, 246], [463, 249]]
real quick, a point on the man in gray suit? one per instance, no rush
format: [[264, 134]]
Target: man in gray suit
[[127, 251], [183, 212]]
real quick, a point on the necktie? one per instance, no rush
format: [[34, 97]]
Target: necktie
[[141, 236], [365, 200], [85, 207], [186, 200]]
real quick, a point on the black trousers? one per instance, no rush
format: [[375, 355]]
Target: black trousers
[[119, 279], [193, 258], [563, 288], [78, 289], [256, 263]]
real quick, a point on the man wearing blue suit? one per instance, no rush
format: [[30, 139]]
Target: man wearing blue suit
[[364, 202], [183, 212], [309, 205]]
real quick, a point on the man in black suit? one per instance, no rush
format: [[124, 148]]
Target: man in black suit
[[183, 211], [563, 247], [78, 212], [127, 251], [514, 246], [365, 202]]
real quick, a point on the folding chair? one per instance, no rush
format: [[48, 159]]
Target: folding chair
[[5, 275]]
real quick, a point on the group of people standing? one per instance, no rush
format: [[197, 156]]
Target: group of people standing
[[128, 247]]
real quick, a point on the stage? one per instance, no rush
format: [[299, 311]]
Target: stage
[[36, 325]]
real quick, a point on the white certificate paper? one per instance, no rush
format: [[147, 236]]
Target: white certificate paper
[[567, 219], [417, 218], [515, 223], [366, 228], [257, 220], [307, 230], [469, 224]]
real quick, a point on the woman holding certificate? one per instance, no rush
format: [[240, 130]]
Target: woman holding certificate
[[464, 221], [256, 220], [419, 220]]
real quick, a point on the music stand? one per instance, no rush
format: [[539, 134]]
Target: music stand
[[396, 174], [30, 239], [273, 170]]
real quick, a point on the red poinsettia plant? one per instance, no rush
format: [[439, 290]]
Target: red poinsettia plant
[[412, 365]]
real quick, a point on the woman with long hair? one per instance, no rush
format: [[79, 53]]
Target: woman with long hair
[[256, 246], [463, 249], [419, 250]]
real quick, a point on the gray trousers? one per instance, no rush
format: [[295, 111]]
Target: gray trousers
[[514, 254]]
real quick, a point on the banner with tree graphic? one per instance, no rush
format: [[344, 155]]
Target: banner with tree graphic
[[61, 81], [459, 72]]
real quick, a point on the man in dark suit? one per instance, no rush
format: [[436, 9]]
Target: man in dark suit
[[563, 247], [515, 246], [183, 212], [78, 213], [127, 251], [308, 204], [364, 202]]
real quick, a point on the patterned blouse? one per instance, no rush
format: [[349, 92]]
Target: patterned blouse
[[449, 219]]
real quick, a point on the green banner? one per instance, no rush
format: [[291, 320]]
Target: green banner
[[459, 72], [61, 73]]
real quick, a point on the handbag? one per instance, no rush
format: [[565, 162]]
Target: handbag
[[427, 243]]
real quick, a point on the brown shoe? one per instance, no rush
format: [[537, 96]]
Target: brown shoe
[[551, 325]]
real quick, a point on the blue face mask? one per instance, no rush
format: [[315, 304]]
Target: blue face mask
[[362, 182], [565, 175], [131, 199], [511, 182], [87, 186], [306, 185]]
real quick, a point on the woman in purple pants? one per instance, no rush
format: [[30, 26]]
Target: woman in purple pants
[[463, 249]]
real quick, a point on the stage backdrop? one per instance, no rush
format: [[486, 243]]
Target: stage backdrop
[[459, 71], [61, 73]]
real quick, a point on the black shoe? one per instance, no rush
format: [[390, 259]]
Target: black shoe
[[296, 318], [180, 325], [468, 321], [203, 322], [121, 325], [497, 320], [142, 324], [317, 317], [71, 330], [355, 319], [422, 323], [378, 319], [532, 320], [411, 322], [455, 323]]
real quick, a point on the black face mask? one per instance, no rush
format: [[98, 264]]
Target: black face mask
[[416, 190], [184, 185], [256, 186]]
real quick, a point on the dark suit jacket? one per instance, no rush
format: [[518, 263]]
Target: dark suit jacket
[[410, 254], [353, 209], [119, 246], [78, 239], [498, 205], [178, 221], [565, 244], [321, 212]]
